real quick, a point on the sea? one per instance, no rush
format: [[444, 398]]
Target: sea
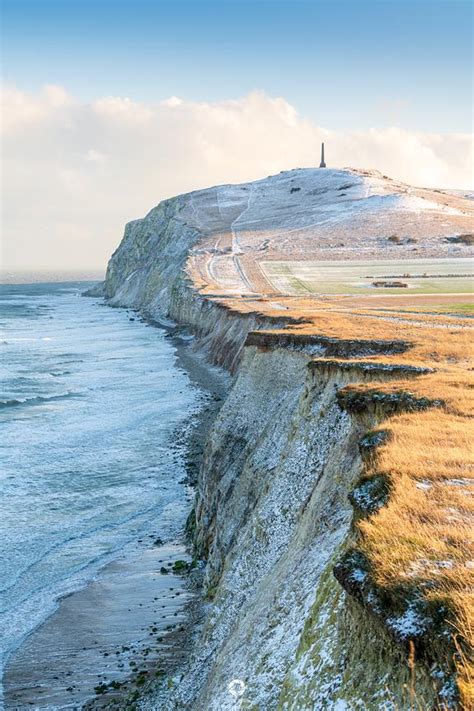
[[92, 403]]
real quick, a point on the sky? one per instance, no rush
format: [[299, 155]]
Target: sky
[[108, 106]]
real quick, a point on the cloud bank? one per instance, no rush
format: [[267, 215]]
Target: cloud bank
[[74, 173]]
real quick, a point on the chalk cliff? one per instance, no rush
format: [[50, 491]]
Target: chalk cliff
[[273, 515]]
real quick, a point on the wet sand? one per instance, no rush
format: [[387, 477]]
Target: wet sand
[[117, 628]]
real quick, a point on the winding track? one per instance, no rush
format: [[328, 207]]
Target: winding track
[[235, 241], [212, 260]]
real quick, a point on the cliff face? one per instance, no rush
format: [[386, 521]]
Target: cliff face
[[272, 513], [273, 517]]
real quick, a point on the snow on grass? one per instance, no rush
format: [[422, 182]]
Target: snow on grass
[[411, 624]]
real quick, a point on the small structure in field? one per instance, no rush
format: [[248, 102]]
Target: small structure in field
[[390, 284]]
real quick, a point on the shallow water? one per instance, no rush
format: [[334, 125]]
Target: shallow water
[[90, 403]]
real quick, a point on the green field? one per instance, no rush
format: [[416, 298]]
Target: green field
[[422, 276], [454, 308]]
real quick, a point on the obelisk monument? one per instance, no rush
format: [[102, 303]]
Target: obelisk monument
[[322, 164]]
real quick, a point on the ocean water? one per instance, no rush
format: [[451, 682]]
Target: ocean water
[[90, 406]]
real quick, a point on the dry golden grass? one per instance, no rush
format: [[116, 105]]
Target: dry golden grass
[[429, 515], [423, 537]]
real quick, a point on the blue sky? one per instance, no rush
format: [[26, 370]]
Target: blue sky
[[343, 64], [90, 139]]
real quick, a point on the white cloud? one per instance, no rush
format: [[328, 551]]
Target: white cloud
[[173, 101], [74, 173]]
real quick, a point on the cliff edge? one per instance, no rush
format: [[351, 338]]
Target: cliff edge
[[334, 503]]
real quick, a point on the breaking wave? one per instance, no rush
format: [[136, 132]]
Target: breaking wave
[[37, 399]]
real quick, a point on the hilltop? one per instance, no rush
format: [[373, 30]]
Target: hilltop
[[314, 214]]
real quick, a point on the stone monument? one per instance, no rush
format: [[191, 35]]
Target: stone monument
[[322, 164]]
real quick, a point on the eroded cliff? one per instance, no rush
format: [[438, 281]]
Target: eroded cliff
[[289, 612]]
